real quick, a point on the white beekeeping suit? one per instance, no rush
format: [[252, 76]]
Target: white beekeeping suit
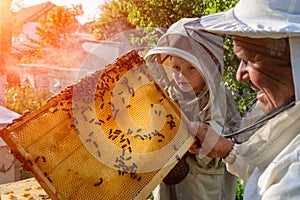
[[207, 178], [269, 162]]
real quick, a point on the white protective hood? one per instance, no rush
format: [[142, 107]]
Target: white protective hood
[[206, 53]]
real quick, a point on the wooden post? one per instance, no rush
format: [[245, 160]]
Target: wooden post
[[5, 43]]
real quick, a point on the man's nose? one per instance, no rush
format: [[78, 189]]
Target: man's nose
[[242, 73]]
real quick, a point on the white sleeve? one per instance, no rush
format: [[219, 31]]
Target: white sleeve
[[240, 169], [283, 175], [236, 164], [288, 187]]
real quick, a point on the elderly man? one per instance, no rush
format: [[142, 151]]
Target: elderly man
[[266, 39]]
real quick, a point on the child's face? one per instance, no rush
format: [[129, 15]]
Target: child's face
[[186, 76]]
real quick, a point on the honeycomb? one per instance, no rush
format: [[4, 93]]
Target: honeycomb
[[114, 134]]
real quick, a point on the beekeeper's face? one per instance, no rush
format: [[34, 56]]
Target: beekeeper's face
[[186, 76], [270, 75]]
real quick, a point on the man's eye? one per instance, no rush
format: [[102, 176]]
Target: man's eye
[[244, 62]]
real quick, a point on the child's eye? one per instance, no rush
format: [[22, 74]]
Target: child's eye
[[177, 68], [192, 68]]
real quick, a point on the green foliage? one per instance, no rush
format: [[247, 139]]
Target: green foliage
[[58, 26], [214, 6], [123, 15], [147, 36], [113, 20], [32, 56], [57, 44], [241, 91], [152, 13], [239, 191], [25, 99], [141, 38]]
